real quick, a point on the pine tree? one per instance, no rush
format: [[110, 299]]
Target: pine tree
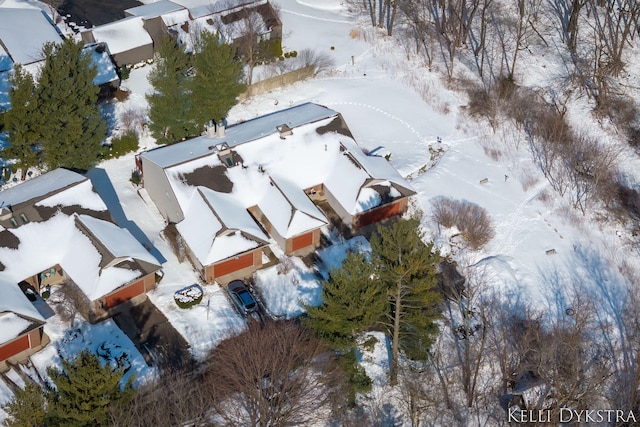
[[21, 122], [70, 124], [351, 302], [84, 390], [170, 105], [407, 268], [216, 84], [27, 408]]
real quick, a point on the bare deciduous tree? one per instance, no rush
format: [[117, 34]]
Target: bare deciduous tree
[[274, 374]]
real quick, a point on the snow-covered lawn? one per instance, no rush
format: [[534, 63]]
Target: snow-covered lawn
[[393, 103]]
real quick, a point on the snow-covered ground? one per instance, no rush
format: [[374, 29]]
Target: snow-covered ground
[[390, 102]]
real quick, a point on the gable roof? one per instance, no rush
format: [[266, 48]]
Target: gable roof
[[288, 208], [17, 313], [119, 242], [24, 32], [171, 155], [217, 227], [88, 249], [101, 60], [152, 10], [123, 35], [41, 186], [272, 168]]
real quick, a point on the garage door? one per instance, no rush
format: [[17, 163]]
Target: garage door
[[233, 265], [123, 295], [302, 241], [14, 347]]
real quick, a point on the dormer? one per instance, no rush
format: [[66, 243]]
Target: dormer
[[284, 130]]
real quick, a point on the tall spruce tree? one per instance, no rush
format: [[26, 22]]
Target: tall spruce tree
[[170, 105], [352, 302], [216, 84], [21, 122], [27, 408], [84, 390], [407, 269], [69, 121]]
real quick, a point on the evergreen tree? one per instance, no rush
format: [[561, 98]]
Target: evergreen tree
[[27, 408], [216, 84], [351, 302], [21, 123], [84, 390], [170, 105], [69, 121], [407, 268]]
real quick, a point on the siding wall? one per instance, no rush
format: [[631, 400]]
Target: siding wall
[[157, 185]]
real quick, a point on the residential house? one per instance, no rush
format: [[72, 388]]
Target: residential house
[[127, 39], [23, 34], [57, 231], [133, 39], [290, 170], [222, 239]]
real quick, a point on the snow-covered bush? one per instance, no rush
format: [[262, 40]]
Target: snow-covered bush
[[472, 220], [186, 298]]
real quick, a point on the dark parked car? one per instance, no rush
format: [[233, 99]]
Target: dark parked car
[[242, 298]]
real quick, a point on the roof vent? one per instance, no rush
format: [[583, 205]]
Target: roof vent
[[284, 130]]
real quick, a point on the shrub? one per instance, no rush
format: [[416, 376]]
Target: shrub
[[125, 71], [135, 179], [121, 145], [472, 220], [333, 48], [159, 276], [186, 298]]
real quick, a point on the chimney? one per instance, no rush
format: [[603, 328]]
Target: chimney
[[220, 130], [211, 129]]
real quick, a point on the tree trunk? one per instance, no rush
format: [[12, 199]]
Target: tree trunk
[[392, 17], [395, 343]]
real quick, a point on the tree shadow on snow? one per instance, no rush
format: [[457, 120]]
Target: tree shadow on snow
[[104, 187]]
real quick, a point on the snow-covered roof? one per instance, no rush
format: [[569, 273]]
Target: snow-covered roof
[[240, 133], [59, 241], [122, 35], [118, 241], [176, 18], [289, 209], [277, 169], [152, 10], [101, 60], [199, 8], [14, 300], [24, 32], [41, 186], [217, 226]]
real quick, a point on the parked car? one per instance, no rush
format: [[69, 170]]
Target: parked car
[[242, 298]]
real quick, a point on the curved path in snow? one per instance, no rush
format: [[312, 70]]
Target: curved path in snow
[[304, 15], [386, 113]]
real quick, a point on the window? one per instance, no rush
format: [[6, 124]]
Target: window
[[14, 222], [24, 218]]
